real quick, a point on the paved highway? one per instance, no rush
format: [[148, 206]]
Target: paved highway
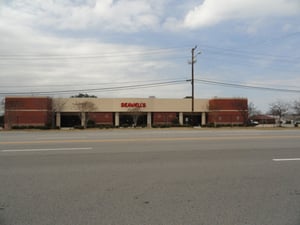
[[150, 177]]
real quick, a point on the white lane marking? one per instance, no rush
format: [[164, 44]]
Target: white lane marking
[[290, 159], [45, 149]]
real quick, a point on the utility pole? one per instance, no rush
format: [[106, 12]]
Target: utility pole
[[193, 82]]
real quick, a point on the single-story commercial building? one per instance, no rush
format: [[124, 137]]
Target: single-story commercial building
[[70, 112], [263, 119]]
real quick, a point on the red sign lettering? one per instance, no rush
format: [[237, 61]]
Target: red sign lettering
[[133, 105]]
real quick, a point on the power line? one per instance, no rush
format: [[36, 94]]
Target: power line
[[256, 83], [85, 61], [248, 54], [270, 41], [87, 84], [247, 86], [118, 88], [151, 85], [158, 51], [171, 53]]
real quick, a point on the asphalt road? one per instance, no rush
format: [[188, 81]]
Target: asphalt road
[[150, 177]]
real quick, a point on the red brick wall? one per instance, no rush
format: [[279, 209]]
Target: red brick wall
[[29, 111], [102, 117], [228, 111], [30, 118], [228, 104], [13, 103], [227, 117], [164, 117]]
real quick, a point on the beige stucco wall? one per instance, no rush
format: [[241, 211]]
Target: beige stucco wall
[[114, 104]]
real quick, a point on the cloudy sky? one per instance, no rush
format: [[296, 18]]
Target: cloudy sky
[[142, 48]]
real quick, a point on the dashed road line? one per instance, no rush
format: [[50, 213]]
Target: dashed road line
[[45, 149], [287, 159]]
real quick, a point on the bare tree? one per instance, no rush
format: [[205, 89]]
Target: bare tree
[[296, 107], [252, 110], [57, 106], [85, 108], [280, 109], [135, 113]]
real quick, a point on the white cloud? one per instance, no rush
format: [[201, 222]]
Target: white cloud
[[130, 15], [24, 33], [212, 12], [45, 27], [122, 15], [40, 62]]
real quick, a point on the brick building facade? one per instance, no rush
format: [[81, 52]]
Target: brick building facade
[[27, 111], [69, 112], [228, 111]]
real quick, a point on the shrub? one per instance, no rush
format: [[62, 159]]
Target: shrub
[[20, 127], [78, 127], [91, 124]]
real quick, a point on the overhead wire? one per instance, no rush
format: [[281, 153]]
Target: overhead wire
[[106, 89], [89, 84], [220, 52], [40, 56], [155, 84], [235, 85], [171, 53], [249, 54]]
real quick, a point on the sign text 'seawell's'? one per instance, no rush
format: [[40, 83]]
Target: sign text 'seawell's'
[[133, 105]]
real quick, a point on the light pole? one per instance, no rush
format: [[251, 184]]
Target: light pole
[[193, 80]]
